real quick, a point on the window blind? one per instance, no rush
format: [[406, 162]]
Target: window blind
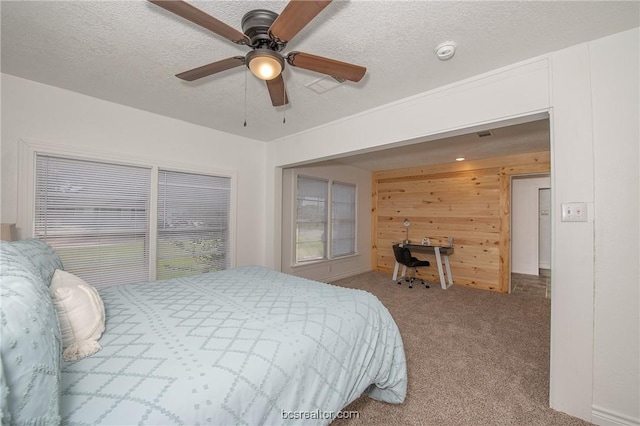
[[343, 219], [193, 223], [311, 219], [96, 216]]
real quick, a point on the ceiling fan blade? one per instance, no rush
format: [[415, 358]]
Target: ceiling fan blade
[[294, 17], [277, 91], [203, 19], [327, 66], [211, 68]]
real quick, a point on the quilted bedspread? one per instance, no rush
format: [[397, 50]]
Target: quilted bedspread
[[242, 346]]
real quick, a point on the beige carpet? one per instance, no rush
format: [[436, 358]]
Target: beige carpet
[[474, 357]]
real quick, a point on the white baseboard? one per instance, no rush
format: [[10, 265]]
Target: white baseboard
[[524, 269], [337, 277], [603, 417], [323, 272]]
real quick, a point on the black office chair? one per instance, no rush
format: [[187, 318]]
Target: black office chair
[[403, 257]]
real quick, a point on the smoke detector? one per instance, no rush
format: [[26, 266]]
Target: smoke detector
[[446, 50]]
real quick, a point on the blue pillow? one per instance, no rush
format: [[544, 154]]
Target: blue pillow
[[31, 255], [30, 347]]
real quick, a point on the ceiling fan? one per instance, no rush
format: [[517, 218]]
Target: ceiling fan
[[267, 34]]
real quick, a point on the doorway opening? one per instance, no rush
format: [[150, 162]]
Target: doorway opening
[[531, 235]]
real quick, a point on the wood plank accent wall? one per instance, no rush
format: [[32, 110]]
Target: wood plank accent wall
[[469, 201]]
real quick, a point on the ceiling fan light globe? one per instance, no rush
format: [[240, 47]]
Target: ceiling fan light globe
[[265, 64], [265, 67], [266, 71]]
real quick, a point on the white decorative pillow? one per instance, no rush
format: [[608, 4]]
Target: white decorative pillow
[[80, 313]]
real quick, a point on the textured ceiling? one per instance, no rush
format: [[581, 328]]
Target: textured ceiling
[[129, 51]]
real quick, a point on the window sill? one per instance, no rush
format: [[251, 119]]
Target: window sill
[[325, 261]]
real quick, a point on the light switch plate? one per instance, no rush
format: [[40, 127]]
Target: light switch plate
[[574, 212]]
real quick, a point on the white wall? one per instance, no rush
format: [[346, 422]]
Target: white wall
[[328, 270], [572, 280], [594, 363], [616, 360], [49, 115], [524, 223]]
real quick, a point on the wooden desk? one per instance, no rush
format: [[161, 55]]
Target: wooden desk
[[440, 252]]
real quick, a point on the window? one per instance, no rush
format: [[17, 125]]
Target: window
[[97, 217], [343, 219], [311, 219], [324, 220], [193, 223]]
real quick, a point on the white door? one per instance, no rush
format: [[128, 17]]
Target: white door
[[525, 213], [544, 228]]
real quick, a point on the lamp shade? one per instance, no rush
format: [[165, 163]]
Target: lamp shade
[[265, 64], [8, 232]]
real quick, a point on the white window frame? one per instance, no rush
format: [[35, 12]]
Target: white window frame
[[328, 255], [28, 149]]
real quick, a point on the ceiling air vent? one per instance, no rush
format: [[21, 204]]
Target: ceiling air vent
[[324, 84], [484, 133]]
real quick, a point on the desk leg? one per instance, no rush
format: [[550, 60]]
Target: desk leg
[[395, 271], [443, 283], [449, 276]]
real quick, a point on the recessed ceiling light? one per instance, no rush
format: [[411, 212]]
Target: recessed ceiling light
[[446, 50], [460, 159]]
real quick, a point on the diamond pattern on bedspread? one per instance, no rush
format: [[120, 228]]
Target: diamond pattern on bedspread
[[236, 346]]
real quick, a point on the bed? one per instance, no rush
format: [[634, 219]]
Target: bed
[[242, 346]]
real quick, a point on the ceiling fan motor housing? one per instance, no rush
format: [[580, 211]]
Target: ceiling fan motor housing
[[256, 24]]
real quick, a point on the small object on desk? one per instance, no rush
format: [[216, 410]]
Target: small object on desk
[[407, 224], [450, 241]]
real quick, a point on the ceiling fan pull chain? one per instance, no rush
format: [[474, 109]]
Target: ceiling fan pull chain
[[245, 97], [284, 109]]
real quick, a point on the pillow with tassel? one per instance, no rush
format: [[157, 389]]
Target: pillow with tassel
[[80, 313]]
